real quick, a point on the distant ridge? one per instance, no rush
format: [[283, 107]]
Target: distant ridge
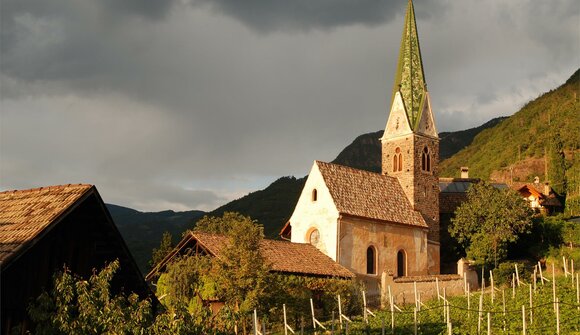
[[142, 231]]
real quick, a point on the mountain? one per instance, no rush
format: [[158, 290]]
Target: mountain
[[273, 205], [516, 146], [142, 231]]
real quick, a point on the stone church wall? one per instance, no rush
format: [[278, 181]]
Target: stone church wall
[[357, 234]]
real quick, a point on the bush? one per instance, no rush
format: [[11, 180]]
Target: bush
[[502, 275]]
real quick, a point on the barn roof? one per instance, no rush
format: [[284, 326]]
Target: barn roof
[[285, 257], [369, 195], [25, 214]]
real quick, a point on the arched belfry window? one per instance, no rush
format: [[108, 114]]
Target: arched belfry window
[[426, 160], [401, 263], [314, 195], [371, 260], [398, 160]]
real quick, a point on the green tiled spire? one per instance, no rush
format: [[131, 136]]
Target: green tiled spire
[[410, 79]]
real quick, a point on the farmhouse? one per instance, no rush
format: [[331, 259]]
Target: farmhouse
[[44, 229], [283, 257]]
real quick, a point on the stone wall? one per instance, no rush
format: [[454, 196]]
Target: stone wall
[[403, 288]]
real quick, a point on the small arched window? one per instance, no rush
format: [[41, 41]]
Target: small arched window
[[314, 195], [371, 261], [313, 236], [401, 263], [426, 160], [397, 160]]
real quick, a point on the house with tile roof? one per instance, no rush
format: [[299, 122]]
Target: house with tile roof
[[281, 256], [44, 229], [375, 223]]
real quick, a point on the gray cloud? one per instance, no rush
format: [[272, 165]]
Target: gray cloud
[[223, 97]]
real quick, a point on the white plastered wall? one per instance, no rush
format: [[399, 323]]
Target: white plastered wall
[[320, 214]]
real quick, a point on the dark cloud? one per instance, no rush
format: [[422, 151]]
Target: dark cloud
[[303, 15], [223, 96]]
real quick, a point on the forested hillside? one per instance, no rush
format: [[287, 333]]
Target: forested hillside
[[524, 135]]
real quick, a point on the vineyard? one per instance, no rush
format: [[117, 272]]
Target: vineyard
[[532, 307]]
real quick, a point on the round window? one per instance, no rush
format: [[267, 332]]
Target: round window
[[314, 237]]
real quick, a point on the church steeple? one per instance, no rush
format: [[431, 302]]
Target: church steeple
[[410, 144], [410, 78]]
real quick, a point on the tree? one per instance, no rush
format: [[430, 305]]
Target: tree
[[489, 220], [557, 165], [221, 225], [164, 249], [79, 306]]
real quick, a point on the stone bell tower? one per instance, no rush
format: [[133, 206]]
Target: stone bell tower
[[410, 144]]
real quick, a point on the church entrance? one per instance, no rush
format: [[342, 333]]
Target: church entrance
[[401, 263]]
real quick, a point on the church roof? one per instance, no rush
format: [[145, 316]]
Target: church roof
[[285, 257], [25, 214], [369, 195], [410, 78]]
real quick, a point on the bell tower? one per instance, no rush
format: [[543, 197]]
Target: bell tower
[[410, 144]]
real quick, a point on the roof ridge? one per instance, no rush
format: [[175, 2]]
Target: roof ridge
[[355, 169], [47, 188]]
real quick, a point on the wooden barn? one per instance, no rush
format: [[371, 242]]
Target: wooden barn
[[44, 229]]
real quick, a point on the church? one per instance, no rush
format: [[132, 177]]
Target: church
[[375, 223]]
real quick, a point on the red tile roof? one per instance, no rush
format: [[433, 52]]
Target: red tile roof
[[369, 195], [286, 257], [25, 214]]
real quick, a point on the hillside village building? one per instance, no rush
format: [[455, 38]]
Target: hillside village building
[[389, 222]]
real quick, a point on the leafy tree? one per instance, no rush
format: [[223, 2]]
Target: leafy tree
[[557, 165], [488, 221], [221, 225], [77, 306], [164, 249]]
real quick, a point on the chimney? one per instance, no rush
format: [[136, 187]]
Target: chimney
[[547, 188], [464, 172]]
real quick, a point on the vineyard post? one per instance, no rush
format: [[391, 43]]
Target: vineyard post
[[572, 270], [286, 326], [468, 303], [382, 326], [365, 306], [482, 281], [479, 314], [554, 286], [557, 317], [437, 285], [541, 274], [256, 332], [415, 319], [535, 278], [263, 326], [513, 286], [531, 307], [312, 311], [491, 281], [524, 319], [445, 306], [503, 300], [339, 312], [488, 324], [392, 313], [565, 266], [517, 274], [464, 282], [415, 290], [578, 291]]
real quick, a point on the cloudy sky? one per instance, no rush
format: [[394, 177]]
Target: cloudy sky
[[189, 104]]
